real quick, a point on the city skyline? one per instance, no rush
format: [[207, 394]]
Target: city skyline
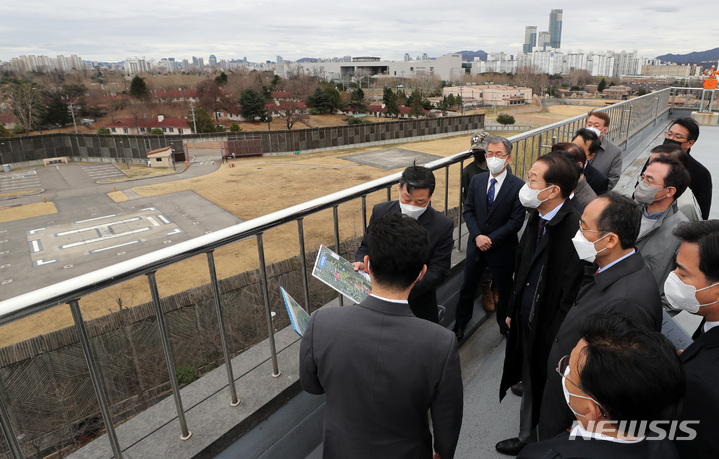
[[105, 32]]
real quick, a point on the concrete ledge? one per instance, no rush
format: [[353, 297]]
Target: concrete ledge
[[213, 422]]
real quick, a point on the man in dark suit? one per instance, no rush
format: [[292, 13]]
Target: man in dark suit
[[494, 215], [608, 159], [382, 368], [618, 381], [547, 276], [588, 139], [685, 132], [619, 283], [416, 186], [694, 287]]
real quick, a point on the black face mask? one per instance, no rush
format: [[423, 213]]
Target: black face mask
[[479, 156], [672, 142]]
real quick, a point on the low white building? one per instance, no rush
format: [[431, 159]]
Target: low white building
[[162, 157], [447, 67], [491, 94]]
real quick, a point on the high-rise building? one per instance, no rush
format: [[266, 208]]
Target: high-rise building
[[555, 28], [530, 39], [544, 40], [213, 60]]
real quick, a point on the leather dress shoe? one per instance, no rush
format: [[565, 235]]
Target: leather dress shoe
[[459, 333], [510, 446], [518, 389]]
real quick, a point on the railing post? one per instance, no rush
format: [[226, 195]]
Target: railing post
[[167, 348], [461, 205], [95, 377], [303, 260], [336, 221], [268, 311], [7, 428], [656, 109], [364, 214], [389, 193], [234, 401], [446, 190], [629, 127], [674, 96]]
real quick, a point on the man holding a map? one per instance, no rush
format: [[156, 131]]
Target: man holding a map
[[381, 367], [416, 186]]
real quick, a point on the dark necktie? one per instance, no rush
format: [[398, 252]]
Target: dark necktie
[[490, 192], [540, 229]]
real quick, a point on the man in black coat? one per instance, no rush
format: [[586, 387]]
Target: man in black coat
[[547, 277], [685, 132], [416, 186], [619, 283], [382, 368], [588, 139], [694, 287], [494, 215], [623, 382]]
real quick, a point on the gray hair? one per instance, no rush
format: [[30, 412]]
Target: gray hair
[[499, 139]]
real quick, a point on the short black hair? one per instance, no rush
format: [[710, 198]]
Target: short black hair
[[622, 216], [589, 136], [417, 177], [634, 373], [397, 247], [562, 172], [678, 175], [704, 233], [672, 149], [690, 125], [574, 152]]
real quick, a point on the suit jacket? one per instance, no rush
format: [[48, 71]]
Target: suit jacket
[[596, 179], [627, 288], [382, 369], [557, 289], [701, 185], [500, 223], [583, 195], [579, 447], [608, 161], [701, 402], [423, 296]]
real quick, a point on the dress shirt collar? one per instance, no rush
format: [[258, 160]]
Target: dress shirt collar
[[389, 300], [579, 431], [617, 261], [550, 215], [709, 325]]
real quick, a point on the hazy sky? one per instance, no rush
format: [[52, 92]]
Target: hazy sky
[[262, 29]]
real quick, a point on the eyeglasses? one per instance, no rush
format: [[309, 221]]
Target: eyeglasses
[[584, 230], [675, 136], [649, 181], [561, 369], [531, 181], [495, 155]]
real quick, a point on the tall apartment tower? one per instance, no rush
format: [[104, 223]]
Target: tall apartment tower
[[530, 39], [555, 28]]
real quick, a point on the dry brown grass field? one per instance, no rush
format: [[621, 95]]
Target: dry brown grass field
[[253, 188]]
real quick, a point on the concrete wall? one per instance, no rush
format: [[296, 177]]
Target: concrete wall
[[28, 150]]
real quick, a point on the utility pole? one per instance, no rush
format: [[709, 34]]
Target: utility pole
[[71, 109], [194, 121]]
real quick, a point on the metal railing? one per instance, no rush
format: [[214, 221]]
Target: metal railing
[[627, 119]]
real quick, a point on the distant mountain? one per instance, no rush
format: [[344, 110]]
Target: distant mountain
[[696, 57], [470, 55], [308, 59]]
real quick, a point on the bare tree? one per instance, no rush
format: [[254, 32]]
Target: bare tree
[[290, 112], [26, 100]]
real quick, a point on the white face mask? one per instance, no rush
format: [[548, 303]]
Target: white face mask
[[496, 165], [683, 296], [568, 394], [585, 249], [411, 211], [529, 197]]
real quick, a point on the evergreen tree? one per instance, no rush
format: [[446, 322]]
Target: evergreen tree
[[252, 104], [203, 120], [138, 88]]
